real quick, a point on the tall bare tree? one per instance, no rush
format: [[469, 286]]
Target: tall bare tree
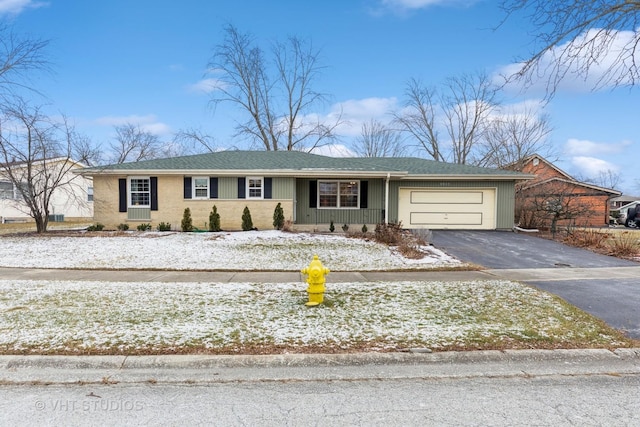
[[461, 109], [20, 57], [195, 141], [36, 159], [513, 136], [378, 140], [133, 144], [277, 95], [85, 151], [580, 38], [419, 119]]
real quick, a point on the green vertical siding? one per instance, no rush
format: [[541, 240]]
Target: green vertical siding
[[283, 188], [371, 215]]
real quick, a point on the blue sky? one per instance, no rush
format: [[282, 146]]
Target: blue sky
[[143, 62]]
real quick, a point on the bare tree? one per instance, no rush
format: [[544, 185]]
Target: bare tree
[[607, 179], [277, 96], [580, 38], [510, 138], [195, 141], [418, 118], [133, 144], [19, 58], [36, 159], [547, 205], [461, 109], [84, 151], [468, 106], [378, 140]]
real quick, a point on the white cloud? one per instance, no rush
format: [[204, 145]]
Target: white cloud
[[591, 166], [404, 5], [355, 112], [148, 123], [334, 150], [206, 86], [15, 7], [606, 67], [581, 147]]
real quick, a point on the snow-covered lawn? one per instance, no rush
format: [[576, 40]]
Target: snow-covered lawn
[[253, 250], [128, 318], [143, 318]]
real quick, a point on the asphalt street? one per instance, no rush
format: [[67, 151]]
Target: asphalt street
[[552, 387]]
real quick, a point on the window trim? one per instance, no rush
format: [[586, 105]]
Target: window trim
[[129, 192], [338, 181], [90, 194], [194, 188], [248, 187]]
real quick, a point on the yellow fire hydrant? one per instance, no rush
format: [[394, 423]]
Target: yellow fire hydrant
[[315, 272]]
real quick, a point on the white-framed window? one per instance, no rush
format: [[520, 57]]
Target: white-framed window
[[255, 187], [200, 187], [89, 194], [6, 190], [140, 192], [337, 194]]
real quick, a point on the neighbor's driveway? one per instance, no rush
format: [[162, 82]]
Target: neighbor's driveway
[[616, 301]]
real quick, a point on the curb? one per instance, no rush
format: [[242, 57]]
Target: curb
[[204, 369]]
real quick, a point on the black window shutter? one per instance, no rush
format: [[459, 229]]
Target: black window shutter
[[122, 195], [154, 193], [213, 188], [364, 194], [268, 184], [187, 187], [241, 188], [313, 194]]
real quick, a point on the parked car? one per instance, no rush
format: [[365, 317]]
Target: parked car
[[630, 217]]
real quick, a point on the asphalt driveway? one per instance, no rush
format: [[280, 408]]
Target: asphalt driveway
[[506, 249], [616, 301]]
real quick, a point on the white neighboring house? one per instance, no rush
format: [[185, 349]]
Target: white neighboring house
[[72, 199]]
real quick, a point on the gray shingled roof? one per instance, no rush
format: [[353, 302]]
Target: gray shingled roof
[[298, 161]]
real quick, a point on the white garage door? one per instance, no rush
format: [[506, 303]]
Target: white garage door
[[468, 209]]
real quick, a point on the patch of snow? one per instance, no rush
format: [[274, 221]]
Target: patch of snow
[[252, 250]]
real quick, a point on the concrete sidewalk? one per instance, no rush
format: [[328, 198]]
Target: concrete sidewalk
[[202, 369], [533, 274]]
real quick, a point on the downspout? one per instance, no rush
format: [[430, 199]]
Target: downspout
[[386, 199]]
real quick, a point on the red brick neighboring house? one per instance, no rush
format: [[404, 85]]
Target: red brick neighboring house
[[555, 198]]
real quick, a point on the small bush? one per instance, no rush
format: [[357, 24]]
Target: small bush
[[410, 249], [389, 233], [278, 217], [95, 227], [364, 228], [164, 226], [288, 226], [187, 222], [332, 227], [214, 219], [345, 228], [586, 239], [123, 227], [422, 236], [247, 222], [625, 244], [144, 227]]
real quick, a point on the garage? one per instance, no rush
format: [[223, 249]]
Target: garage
[[463, 209]]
